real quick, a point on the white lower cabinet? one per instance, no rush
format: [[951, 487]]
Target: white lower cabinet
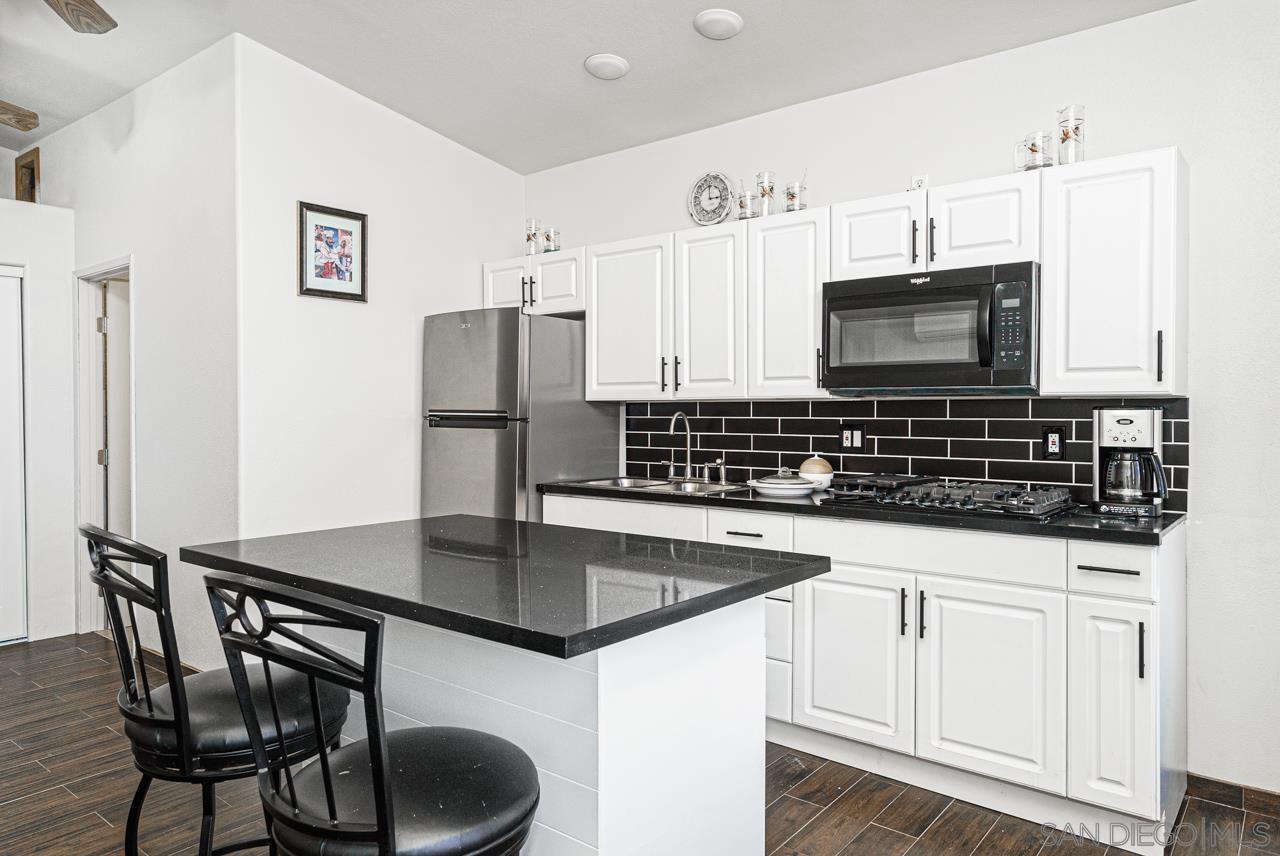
[[777, 690], [991, 680], [855, 655], [1113, 705], [635, 518]]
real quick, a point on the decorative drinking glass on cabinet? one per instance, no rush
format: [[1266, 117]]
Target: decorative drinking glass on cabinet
[[1071, 134], [795, 196], [764, 189], [1034, 152], [550, 239], [532, 236]]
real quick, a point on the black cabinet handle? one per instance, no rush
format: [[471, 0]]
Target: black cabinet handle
[[677, 374], [915, 228], [933, 247], [524, 284], [1102, 570], [744, 534], [922, 599], [818, 376], [664, 375], [1159, 356], [1142, 649], [903, 613], [532, 299]]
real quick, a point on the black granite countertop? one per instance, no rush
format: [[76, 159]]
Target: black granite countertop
[[1070, 524], [552, 589]]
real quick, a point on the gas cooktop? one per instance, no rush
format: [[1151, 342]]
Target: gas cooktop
[[951, 496]]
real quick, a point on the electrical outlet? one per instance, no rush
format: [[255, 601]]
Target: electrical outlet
[[853, 436], [1054, 442], [919, 182]]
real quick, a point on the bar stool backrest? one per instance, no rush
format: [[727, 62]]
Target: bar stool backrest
[[107, 552], [278, 625]]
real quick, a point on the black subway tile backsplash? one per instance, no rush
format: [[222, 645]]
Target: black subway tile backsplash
[[961, 438]]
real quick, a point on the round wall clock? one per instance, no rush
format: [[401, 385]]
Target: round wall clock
[[710, 199]]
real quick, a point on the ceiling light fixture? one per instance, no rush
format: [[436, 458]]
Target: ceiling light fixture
[[606, 66], [718, 24]]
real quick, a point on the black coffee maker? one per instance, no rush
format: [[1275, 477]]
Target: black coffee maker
[[1128, 480]]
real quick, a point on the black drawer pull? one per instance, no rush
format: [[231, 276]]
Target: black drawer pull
[[903, 613], [1142, 649], [922, 599], [1102, 570], [744, 534]]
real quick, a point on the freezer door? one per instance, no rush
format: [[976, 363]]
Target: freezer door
[[470, 465], [471, 361]]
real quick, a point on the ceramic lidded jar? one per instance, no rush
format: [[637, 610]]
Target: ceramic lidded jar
[[818, 471]]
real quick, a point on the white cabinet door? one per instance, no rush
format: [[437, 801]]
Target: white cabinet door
[[855, 655], [878, 237], [787, 264], [506, 283], [557, 282], [991, 670], [1113, 710], [985, 222], [1113, 311], [710, 359], [629, 320]]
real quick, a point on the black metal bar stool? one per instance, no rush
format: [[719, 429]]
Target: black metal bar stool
[[191, 729], [413, 792]]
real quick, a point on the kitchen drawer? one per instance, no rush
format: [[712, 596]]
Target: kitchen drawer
[[749, 529], [777, 630], [1126, 570], [777, 690], [1022, 559], [620, 515]]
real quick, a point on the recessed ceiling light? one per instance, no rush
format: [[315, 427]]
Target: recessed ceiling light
[[718, 24], [607, 66]]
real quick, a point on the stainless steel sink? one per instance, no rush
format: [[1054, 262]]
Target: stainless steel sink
[[626, 483], [697, 487]]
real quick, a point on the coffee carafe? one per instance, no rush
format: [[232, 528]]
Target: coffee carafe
[[1128, 479]]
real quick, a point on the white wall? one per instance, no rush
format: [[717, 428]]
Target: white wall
[[1204, 76], [331, 389], [152, 175], [7, 157], [41, 239]]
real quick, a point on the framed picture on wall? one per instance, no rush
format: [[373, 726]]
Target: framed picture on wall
[[333, 253]]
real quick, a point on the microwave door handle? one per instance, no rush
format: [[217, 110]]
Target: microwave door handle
[[984, 328]]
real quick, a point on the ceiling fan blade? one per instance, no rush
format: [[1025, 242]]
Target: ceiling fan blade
[[18, 117], [83, 16]]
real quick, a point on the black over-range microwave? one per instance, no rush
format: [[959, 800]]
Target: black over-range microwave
[[971, 331]]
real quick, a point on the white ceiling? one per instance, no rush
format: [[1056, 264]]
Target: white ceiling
[[505, 77]]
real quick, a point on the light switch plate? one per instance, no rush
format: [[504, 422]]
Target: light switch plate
[[853, 436]]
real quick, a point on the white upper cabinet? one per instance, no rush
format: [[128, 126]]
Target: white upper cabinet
[[710, 322], [506, 283], [984, 222], [629, 299], [991, 674], [1113, 705], [878, 237], [557, 282], [788, 261], [1113, 312], [855, 655]]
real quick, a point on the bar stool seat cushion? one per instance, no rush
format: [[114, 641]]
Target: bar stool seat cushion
[[219, 738], [453, 791]]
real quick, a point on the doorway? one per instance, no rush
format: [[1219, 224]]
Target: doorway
[[105, 429], [13, 489]]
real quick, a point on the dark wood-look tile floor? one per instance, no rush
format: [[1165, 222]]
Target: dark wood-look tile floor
[[66, 773], [67, 777]]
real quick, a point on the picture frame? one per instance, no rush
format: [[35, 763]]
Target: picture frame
[[333, 253]]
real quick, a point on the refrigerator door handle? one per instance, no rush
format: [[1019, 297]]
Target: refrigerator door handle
[[456, 419]]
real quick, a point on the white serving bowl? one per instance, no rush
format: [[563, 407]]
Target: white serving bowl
[[822, 480]]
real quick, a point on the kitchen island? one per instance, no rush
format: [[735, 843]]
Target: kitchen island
[[630, 668]]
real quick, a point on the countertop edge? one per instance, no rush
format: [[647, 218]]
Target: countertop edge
[[877, 514]]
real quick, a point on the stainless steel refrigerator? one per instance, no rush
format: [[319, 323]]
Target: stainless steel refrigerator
[[504, 409]]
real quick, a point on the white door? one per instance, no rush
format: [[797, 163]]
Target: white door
[[13, 550], [991, 674], [1113, 705], [1112, 275], [506, 283], [629, 320], [878, 237], [788, 261], [557, 282], [710, 320], [118, 400], [855, 655], [985, 222]]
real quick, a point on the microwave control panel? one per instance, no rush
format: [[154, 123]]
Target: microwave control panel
[[1013, 314]]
